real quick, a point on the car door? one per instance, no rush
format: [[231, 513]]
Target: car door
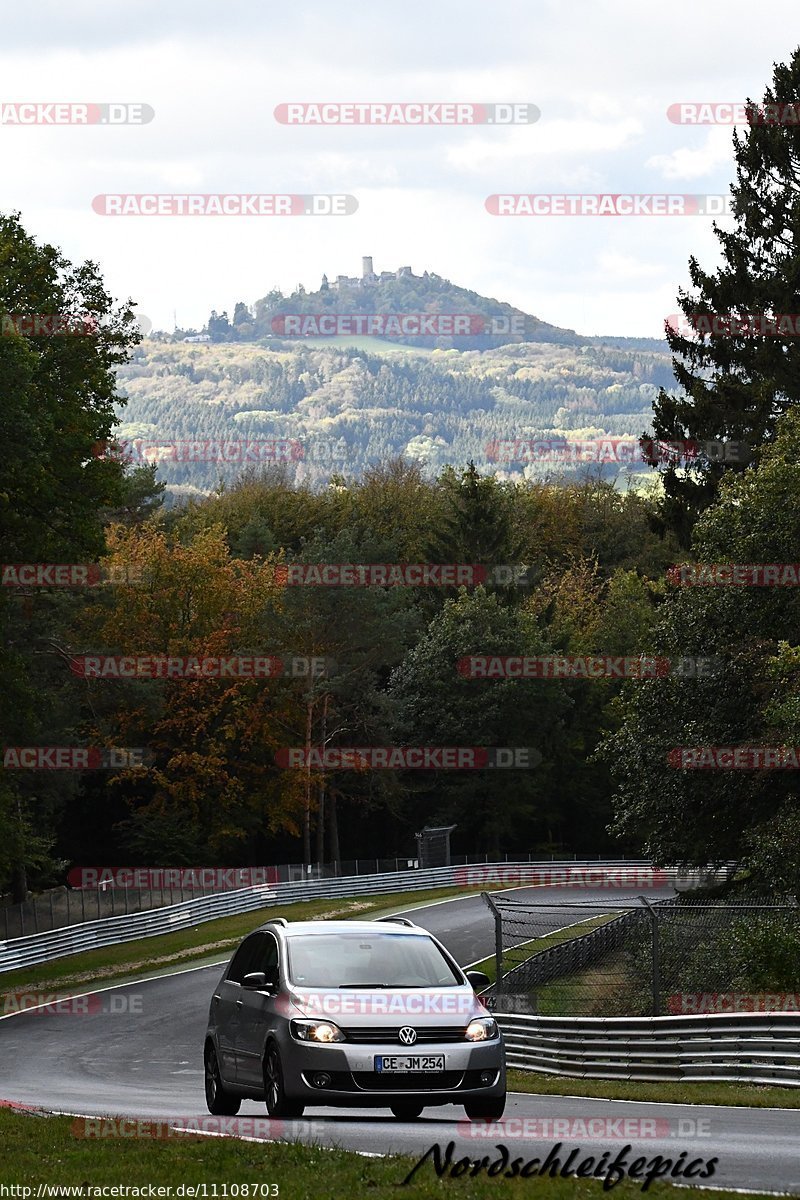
[[257, 1014], [226, 1007]]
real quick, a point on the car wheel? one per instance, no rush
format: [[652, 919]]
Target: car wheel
[[407, 1110], [274, 1094], [490, 1109], [218, 1101]]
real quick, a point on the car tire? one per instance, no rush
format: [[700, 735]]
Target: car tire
[[490, 1109], [218, 1101], [277, 1104], [407, 1110]]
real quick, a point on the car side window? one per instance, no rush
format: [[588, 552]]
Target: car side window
[[245, 958], [268, 957]]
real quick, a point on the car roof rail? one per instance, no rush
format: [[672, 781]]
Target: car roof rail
[[398, 921]]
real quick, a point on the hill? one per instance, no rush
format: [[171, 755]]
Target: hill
[[415, 310], [332, 408]]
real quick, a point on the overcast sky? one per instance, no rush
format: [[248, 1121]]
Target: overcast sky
[[602, 72]]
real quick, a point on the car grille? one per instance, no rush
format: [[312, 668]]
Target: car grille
[[376, 1081], [411, 1081], [391, 1033]]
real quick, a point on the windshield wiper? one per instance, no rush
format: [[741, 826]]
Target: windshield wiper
[[364, 985], [385, 985]]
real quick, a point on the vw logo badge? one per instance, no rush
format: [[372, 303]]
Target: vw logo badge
[[408, 1035]]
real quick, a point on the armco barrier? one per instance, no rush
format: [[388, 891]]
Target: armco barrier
[[42, 947], [736, 1047]]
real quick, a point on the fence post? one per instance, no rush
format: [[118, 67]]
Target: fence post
[[656, 980], [498, 943], [52, 913]]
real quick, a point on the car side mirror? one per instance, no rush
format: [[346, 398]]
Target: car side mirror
[[478, 979], [259, 981]]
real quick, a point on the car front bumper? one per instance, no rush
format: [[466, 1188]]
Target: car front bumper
[[471, 1070]]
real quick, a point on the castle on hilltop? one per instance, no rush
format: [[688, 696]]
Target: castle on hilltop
[[367, 276]]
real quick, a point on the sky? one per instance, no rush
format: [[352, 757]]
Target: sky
[[602, 75]]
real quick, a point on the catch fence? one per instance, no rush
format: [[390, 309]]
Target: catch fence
[[645, 957]]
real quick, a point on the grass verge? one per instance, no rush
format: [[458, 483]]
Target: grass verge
[[526, 950], [738, 1095], [210, 941], [45, 1150]]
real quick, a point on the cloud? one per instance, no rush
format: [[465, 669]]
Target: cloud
[[697, 162], [602, 76]]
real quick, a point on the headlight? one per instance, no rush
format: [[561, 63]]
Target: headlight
[[316, 1031], [481, 1029]]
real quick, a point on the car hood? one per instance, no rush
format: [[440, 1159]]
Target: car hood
[[387, 1006]]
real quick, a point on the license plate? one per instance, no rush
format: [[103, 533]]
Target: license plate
[[409, 1062]]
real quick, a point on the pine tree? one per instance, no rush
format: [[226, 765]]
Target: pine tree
[[737, 386]]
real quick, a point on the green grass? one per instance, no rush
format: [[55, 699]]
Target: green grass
[[211, 941], [40, 1149], [526, 950], [739, 1095]]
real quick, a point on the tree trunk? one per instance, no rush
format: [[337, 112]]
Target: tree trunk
[[334, 831], [307, 812], [19, 873], [19, 883], [321, 810]]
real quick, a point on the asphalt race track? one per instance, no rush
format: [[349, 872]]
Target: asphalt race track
[[140, 1055]]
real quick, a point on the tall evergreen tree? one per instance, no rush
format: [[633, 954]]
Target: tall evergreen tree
[[737, 386]]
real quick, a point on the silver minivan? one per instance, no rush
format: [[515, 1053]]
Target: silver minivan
[[351, 1014]]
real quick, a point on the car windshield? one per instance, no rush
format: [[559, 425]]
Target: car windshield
[[368, 960]]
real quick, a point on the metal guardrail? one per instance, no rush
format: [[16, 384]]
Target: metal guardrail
[[737, 1047], [96, 892], [43, 947]]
